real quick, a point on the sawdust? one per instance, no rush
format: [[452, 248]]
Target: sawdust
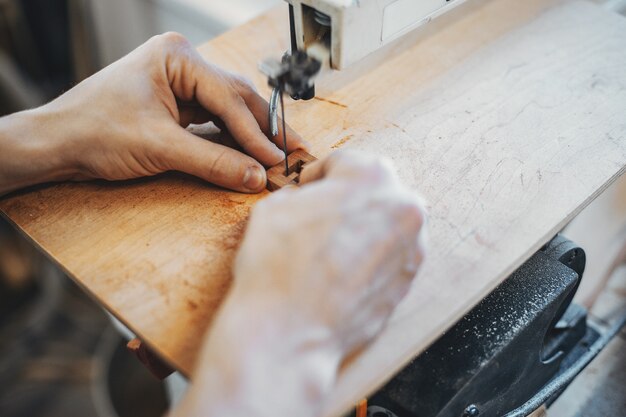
[[342, 142], [336, 103]]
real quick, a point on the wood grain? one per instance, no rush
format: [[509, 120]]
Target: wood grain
[[506, 117]]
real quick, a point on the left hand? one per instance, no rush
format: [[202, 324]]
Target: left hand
[[129, 121]]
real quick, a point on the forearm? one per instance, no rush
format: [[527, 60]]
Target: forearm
[[31, 150], [254, 367]]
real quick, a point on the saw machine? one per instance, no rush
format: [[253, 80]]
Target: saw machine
[[515, 351]]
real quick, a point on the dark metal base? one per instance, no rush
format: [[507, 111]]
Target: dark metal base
[[504, 351]]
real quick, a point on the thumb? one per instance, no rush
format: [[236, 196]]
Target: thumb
[[217, 164]]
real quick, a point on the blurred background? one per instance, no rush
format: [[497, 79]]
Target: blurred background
[[59, 353], [46, 46]]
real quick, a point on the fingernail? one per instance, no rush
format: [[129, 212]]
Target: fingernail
[[254, 178], [279, 153]]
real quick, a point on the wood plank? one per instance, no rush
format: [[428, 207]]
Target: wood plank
[[507, 119]]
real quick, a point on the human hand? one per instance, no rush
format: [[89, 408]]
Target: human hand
[[338, 253], [128, 121], [319, 272]]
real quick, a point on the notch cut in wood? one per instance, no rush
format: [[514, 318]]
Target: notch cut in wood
[[277, 177]]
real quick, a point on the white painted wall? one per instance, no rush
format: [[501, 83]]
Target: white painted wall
[[122, 25]]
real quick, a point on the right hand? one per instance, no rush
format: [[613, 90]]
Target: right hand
[[337, 254], [320, 270]]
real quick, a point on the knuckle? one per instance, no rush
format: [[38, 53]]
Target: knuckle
[[370, 169], [172, 39], [233, 95], [237, 99], [243, 85], [230, 103], [380, 164], [376, 172], [413, 213], [409, 210], [381, 169]]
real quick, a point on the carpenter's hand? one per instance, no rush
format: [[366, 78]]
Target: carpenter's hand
[[338, 253], [320, 270], [128, 121]]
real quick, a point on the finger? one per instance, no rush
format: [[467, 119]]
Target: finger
[[349, 165], [316, 170], [409, 220], [260, 109], [218, 95], [193, 114], [214, 163]]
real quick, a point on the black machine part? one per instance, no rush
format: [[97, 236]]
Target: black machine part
[[296, 75], [304, 92], [501, 353]]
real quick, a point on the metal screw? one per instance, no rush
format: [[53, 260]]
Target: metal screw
[[471, 411]]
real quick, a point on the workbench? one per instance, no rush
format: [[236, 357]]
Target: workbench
[[508, 117]]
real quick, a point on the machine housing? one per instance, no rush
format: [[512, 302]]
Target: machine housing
[[349, 30]]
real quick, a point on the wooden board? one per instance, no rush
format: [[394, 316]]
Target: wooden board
[[507, 118]]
